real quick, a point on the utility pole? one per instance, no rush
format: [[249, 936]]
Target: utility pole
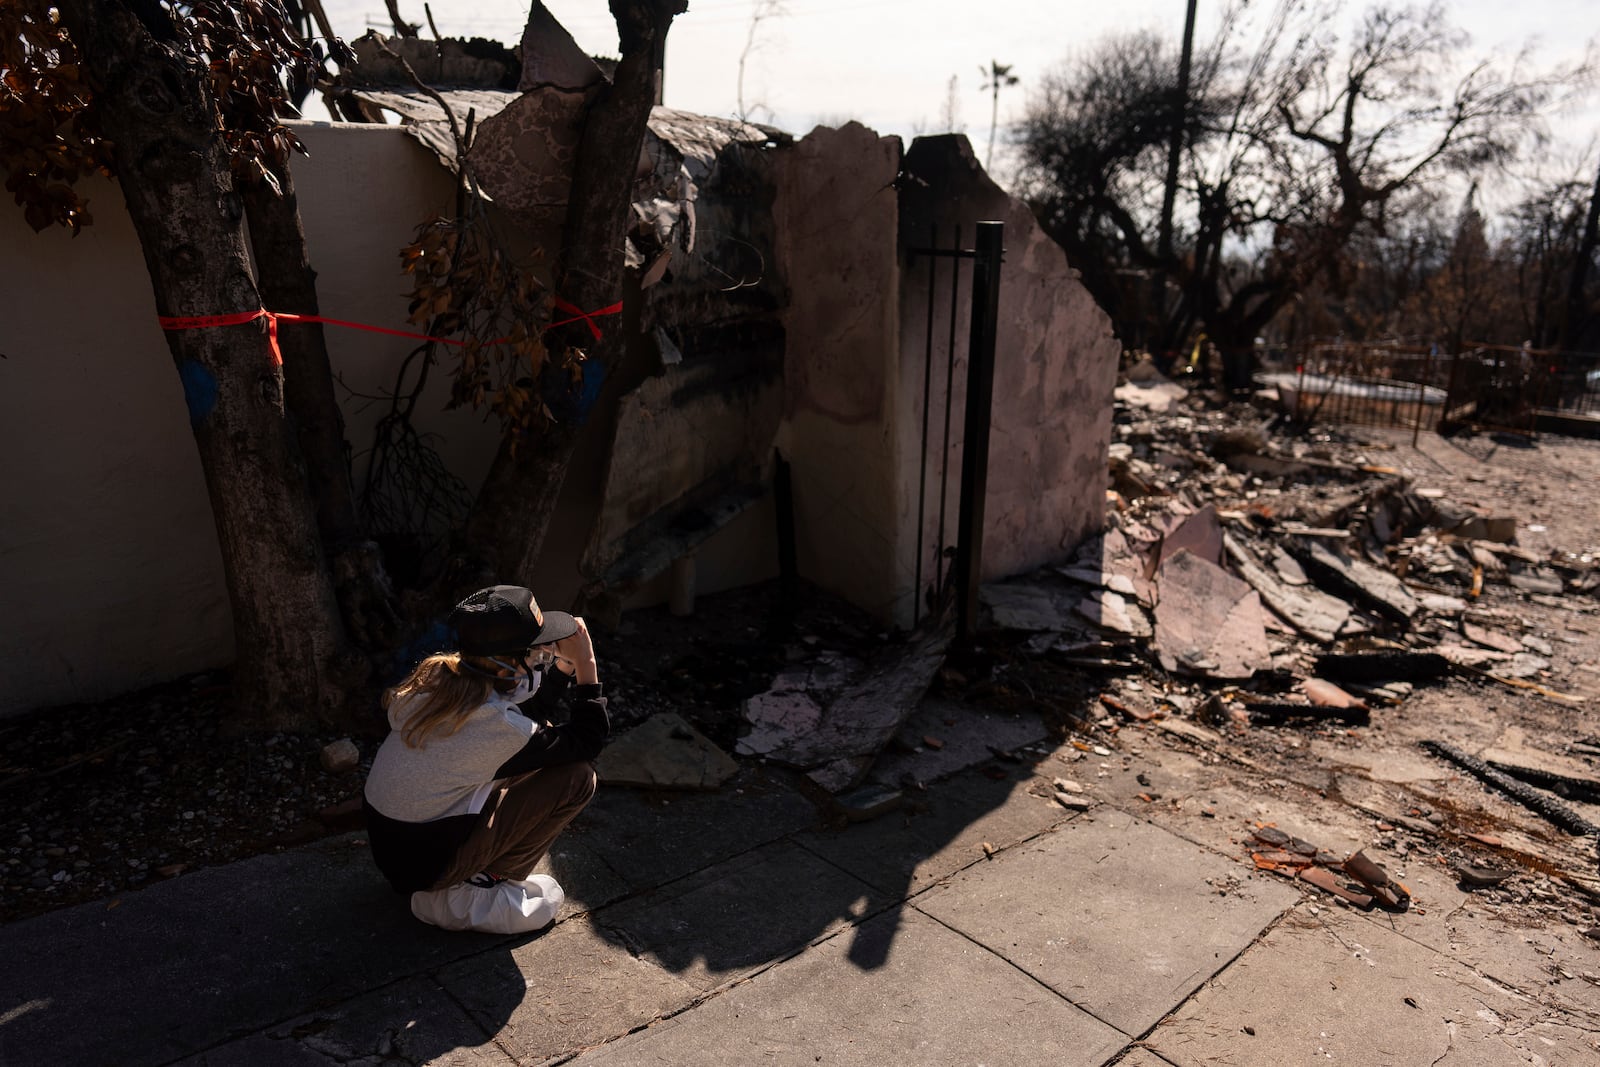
[[1180, 122], [1573, 321]]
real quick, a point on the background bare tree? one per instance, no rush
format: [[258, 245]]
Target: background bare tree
[[1296, 146], [764, 12]]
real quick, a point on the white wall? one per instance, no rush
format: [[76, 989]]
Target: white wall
[[110, 576], [837, 223]]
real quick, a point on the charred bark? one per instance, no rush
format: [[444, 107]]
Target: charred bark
[[288, 283], [519, 497], [171, 165]]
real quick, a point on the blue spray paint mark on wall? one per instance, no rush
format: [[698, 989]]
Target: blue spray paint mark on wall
[[594, 376], [199, 390]]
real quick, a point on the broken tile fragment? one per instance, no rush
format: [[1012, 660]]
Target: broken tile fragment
[[1306, 608], [1207, 621], [776, 719], [1347, 576], [1199, 534], [1490, 638], [1329, 882], [665, 752], [1111, 611]]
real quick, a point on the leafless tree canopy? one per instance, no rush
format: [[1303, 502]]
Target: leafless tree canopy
[[1297, 145]]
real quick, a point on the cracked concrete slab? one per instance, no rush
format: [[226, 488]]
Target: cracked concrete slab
[[937, 834], [740, 916], [411, 1022], [1143, 1057], [1334, 987], [924, 995], [1548, 962], [648, 838], [1105, 911], [566, 990]]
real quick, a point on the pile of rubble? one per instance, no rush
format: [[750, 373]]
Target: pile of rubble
[[1274, 579]]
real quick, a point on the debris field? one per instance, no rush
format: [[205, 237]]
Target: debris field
[[1401, 636]]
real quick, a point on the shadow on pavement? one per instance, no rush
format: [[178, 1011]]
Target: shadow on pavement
[[773, 895], [189, 965]]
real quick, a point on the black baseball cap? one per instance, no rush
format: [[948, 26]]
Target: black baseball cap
[[505, 620]]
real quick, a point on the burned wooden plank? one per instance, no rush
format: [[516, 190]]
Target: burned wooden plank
[[1357, 581], [1383, 666], [1308, 610], [1582, 790], [1278, 712], [1558, 813]]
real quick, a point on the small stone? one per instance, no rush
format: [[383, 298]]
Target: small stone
[[341, 756]]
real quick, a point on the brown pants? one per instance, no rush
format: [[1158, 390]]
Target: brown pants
[[520, 821]]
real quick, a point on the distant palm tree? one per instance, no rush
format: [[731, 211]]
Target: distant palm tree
[[997, 77]]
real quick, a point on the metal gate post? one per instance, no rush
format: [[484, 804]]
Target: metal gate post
[[989, 246]]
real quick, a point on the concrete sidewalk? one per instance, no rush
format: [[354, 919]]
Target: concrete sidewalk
[[983, 924]]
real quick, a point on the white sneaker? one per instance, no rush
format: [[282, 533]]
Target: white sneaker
[[504, 906]]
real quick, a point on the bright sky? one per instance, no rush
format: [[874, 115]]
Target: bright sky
[[888, 63]]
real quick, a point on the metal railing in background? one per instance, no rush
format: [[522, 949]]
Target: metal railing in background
[[1418, 387], [1382, 384]]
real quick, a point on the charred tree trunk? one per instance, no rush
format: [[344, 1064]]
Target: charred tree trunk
[[171, 165], [288, 283], [518, 499]]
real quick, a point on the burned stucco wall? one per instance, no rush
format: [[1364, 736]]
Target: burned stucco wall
[[699, 391], [837, 221], [1055, 368], [779, 324]]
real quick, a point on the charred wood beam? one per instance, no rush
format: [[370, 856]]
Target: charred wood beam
[[1583, 790], [1272, 712], [1558, 813]]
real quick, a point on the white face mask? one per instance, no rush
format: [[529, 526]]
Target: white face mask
[[527, 681]]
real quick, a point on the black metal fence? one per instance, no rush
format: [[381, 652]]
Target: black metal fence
[[961, 574], [1370, 384], [1418, 387]]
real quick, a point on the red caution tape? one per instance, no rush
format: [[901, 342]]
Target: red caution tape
[[585, 317], [200, 322]]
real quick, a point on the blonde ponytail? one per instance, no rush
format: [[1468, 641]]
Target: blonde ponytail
[[449, 687]]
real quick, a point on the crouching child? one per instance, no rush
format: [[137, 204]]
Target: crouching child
[[474, 781]]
